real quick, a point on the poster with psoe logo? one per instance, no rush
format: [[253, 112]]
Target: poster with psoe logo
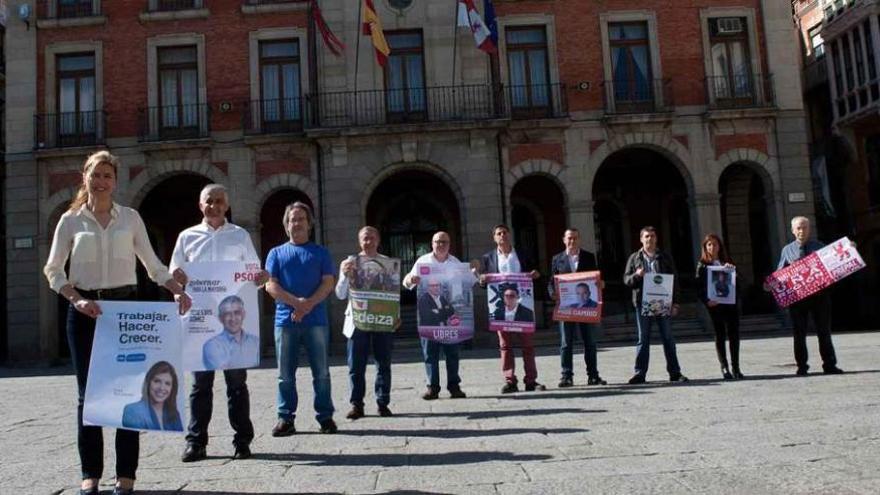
[[136, 371], [222, 329], [657, 294], [814, 272], [446, 302], [374, 293]]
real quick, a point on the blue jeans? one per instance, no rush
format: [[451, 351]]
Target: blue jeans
[[431, 353], [358, 348], [643, 348], [316, 340], [567, 334]]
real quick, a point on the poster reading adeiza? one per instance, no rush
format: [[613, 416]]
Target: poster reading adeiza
[[511, 302], [814, 272], [446, 302], [222, 330], [135, 378], [375, 294], [579, 297]]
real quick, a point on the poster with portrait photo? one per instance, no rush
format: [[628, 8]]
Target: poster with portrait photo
[[445, 307], [578, 297], [222, 329], [136, 378], [511, 302], [374, 293], [721, 284]]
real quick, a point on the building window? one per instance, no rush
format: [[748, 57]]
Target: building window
[[631, 69], [174, 5], [817, 44], [74, 8], [179, 106], [280, 85], [731, 62], [869, 50], [838, 79], [848, 73], [405, 76], [76, 99], [528, 70]]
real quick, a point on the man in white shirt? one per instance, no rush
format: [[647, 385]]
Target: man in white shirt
[[431, 349], [215, 239]]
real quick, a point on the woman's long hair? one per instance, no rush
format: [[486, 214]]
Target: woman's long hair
[[170, 405], [95, 159], [706, 258]]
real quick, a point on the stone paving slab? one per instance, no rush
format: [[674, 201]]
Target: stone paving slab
[[772, 433]]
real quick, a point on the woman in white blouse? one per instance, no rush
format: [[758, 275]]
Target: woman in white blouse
[[101, 238]]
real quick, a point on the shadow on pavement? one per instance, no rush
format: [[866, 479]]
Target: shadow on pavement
[[447, 434], [398, 460], [573, 393], [502, 413]]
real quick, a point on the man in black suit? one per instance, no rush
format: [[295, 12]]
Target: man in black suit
[[512, 307], [505, 259], [574, 259], [434, 308], [583, 296]]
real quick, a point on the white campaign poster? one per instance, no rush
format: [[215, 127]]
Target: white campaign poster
[[135, 379], [222, 330], [721, 284], [657, 294], [445, 302]]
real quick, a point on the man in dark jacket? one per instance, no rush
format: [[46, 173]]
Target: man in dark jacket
[[649, 260], [575, 259], [434, 307]]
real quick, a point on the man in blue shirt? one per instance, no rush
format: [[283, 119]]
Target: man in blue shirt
[[817, 306], [301, 278], [233, 347]]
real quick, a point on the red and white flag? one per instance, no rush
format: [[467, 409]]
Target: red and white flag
[[469, 17]]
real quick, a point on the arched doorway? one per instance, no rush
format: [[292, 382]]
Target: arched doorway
[[538, 219], [746, 230], [170, 207], [408, 208], [635, 187]]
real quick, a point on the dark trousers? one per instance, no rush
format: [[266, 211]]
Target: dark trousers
[[90, 439], [567, 332], [725, 321], [201, 403], [431, 352], [358, 348], [818, 307]]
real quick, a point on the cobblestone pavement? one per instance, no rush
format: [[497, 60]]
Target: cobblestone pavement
[[772, 433]]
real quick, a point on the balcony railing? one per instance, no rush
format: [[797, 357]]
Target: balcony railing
[[637, 96], [69, 129], [536, 101], [270, 2], [174, 122], [273, 116], [174, 5], [66, 9], [734, 92]]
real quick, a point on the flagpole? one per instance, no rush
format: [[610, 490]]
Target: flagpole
[[357, 50], [454, 40]]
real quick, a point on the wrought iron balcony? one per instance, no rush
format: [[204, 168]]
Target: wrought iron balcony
[[736, 92], [273, 116], [69, 129], [174, 122], [67, 9], [174, 5], [624, 96], [536, 101], [270, 2]]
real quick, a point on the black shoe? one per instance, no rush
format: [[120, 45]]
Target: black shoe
[[565, 382], [384, 411], [456, 393], [431, 393], [678, 378], [356, 412], [726, 374], [193, 453], [122, 491], [509, 388], [283, 428], [737, 374], [328, 426], [832, 370], [532, 387], [596, 380], [242, 452], [637, 380], [89, 491], [801, 371]]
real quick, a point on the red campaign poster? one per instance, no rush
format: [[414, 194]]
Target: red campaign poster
[[814, 272], [578, 297]]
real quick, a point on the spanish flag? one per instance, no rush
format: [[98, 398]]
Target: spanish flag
[[372, 27]]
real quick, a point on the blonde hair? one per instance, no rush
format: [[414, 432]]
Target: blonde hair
[[95, 159]]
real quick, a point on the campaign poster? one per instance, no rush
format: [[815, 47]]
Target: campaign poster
[[657, 294], [579, 297], [721, 284], [445, 302], [222, 329], [135, 374], [374, 293], [511, 302], [814, 272]]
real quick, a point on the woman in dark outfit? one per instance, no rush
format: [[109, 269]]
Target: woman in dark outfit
[[725, 317]]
